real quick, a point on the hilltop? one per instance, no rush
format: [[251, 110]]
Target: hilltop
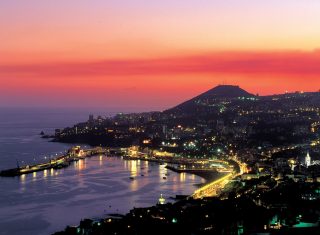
[[212, 98]]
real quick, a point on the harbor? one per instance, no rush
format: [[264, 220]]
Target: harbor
[[93, 187], [73, 154]]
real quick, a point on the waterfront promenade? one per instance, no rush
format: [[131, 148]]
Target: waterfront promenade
[[205, 168]]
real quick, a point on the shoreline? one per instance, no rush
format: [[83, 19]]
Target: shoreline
[[208, 176], [93, 165]]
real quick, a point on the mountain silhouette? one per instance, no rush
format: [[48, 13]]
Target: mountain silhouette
[[216, 95]]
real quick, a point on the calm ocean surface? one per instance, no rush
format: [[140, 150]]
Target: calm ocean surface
[[46, 202]]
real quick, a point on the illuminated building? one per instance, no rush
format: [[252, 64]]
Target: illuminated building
[[308, 160], [162, 200]]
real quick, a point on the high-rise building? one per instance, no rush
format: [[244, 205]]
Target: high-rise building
[[308, 160], [165, 131], [91, 119]]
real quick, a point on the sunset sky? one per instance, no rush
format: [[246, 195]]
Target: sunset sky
[[150, 55]]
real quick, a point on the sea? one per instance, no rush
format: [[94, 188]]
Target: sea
[[46, 202]]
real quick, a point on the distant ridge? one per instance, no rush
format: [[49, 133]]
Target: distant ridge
[[218, 93]]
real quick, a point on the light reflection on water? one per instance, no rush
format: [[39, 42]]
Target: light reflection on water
[[80, 165], [45, 173], [101, 160], [47, 201], [132, 165], [183, 177], [34, 176], [23, 178]]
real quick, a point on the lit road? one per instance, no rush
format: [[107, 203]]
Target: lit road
[[214, 188]]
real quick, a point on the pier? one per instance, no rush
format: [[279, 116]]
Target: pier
[[73, 154]]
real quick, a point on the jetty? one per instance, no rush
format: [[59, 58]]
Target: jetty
[[73, 154]]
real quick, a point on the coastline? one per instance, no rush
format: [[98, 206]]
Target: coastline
[[180, 200], [205, 174], [99, 181]]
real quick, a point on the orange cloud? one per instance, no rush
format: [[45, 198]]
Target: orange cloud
[[291, 63], [158, 83]]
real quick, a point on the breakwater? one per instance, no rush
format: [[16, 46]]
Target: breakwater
[[73, 154]]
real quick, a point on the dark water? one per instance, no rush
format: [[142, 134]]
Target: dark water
[[47, 201]]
